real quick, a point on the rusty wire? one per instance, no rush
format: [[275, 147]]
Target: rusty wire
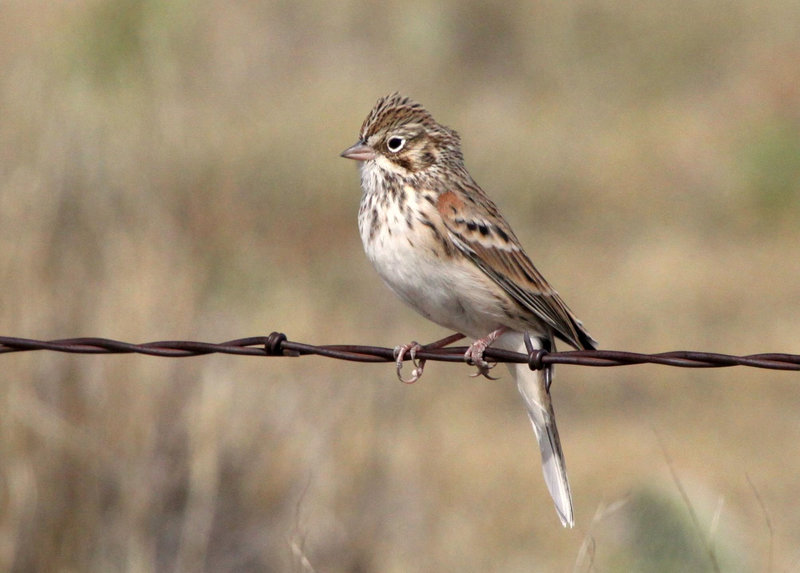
[[277, 344]]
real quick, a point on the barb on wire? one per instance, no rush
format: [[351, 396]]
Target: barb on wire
[[277, 344]]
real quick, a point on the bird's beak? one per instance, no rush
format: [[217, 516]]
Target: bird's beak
[[359, 152]]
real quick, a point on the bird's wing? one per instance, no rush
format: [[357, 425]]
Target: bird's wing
[[478, 230]]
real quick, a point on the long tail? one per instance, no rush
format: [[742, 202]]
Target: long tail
[[533, 385]]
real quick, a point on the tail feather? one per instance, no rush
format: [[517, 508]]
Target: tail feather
[[543, 420], [533, 386]]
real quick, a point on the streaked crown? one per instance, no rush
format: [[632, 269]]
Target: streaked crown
[[404, 132]]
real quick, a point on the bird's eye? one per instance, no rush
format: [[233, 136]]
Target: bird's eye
[[395, 143]]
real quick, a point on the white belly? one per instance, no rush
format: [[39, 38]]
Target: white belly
[[450, 291]]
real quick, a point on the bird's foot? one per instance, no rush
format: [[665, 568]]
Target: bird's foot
[[474, 354], [411, 350]]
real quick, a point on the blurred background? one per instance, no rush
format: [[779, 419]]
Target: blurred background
[[170, 170]]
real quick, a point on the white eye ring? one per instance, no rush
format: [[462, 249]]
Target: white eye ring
[[395, 143]]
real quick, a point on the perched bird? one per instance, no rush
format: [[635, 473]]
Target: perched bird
[[443, 247]]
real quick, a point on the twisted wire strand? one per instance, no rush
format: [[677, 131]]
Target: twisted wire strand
[[277, 344]]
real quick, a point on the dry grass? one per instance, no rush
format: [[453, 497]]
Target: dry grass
[[170, 170]]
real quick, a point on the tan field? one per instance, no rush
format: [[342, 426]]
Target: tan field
[[170, 170]]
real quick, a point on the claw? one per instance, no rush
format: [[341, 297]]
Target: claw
[[474, 354], [483, 370], [419, 365]]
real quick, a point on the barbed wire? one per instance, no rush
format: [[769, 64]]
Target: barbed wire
[[277, 344]]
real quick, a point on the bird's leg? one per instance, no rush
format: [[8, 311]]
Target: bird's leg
[[446, 341], [474, 354], [419, 365]]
